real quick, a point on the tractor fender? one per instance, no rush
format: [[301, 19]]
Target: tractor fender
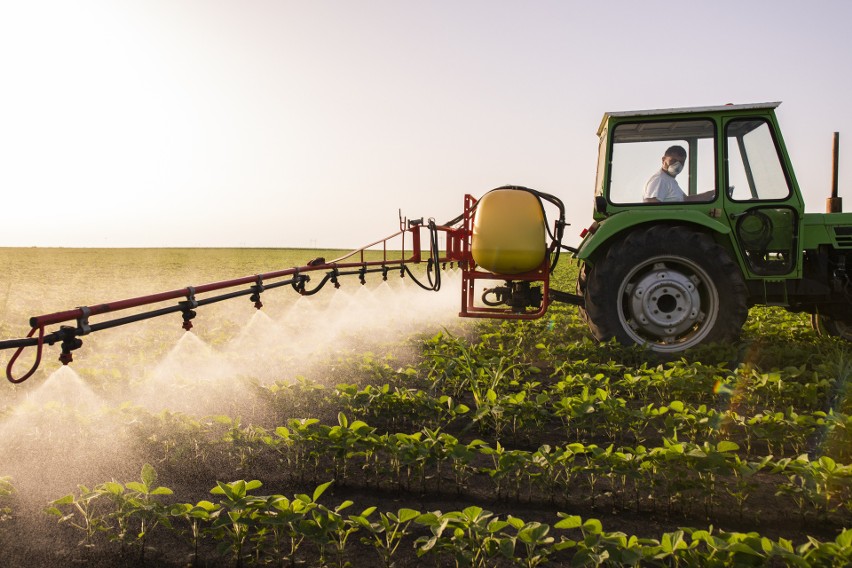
[[618, 224]]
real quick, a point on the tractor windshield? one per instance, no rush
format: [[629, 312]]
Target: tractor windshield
[[642, 153]]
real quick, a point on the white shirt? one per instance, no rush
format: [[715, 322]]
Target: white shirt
[[663, 187]]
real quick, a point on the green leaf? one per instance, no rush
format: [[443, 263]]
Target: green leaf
[[149, 475], [406, 515], [113, 487], [67, 500], [136, 486], [517, 523], [569, 522], [593, 526], [321, 489]]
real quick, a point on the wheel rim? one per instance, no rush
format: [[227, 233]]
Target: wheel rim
[[668, 303]]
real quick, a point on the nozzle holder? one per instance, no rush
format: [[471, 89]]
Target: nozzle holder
[[187, 310], [256, 290], [83, 327]]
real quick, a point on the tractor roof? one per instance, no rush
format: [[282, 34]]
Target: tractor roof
[[685, 110]]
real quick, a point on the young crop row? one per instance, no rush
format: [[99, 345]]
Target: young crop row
[[676, 475], [261, 529], [507, 402], [598, 414], [523, 352]]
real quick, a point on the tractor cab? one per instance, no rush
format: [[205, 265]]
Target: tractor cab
[[735, 178]]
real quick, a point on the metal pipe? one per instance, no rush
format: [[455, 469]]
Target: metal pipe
[[834, 204], [834, 164]]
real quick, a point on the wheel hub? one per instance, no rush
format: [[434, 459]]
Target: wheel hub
[[664, 302]]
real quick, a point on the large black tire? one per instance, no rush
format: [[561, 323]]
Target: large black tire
[[829, 327], [665, 287]]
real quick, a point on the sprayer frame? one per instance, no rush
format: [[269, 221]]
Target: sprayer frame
[[457, 249]]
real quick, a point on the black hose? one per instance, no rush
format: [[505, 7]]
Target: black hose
[[433, 262]]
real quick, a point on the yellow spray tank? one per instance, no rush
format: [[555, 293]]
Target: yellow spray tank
[[509, 231]]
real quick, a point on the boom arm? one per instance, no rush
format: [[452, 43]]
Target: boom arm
[[353, 263]]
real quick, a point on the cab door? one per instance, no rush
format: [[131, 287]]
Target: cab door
[[760, 202]]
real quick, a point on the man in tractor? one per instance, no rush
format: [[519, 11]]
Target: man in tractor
[[662, 186]]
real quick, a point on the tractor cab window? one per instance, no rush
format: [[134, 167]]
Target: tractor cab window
[[754, 166], [766, 229], [640, 168]]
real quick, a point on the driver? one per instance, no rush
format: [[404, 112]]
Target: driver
[[662, 186]]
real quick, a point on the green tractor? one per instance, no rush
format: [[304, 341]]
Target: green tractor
[[673, 274]]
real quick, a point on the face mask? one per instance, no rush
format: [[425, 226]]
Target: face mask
[[675, 168]]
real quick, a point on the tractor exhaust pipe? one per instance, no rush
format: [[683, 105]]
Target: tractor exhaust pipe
[[834, 204]]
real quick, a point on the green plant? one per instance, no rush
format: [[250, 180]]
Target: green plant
[[331, 528], [236, 517], [472, 536], [197, 517], [535, 539], [386, 534], [137, 511]]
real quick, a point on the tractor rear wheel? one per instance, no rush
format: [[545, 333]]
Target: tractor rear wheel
[[665, 287], [829, 327]]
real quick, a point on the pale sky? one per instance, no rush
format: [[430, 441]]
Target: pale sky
[[309, 124]]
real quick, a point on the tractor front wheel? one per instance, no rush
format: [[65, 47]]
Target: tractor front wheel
[[665, 287]]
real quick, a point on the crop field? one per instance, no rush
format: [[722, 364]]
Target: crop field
[[369, 426]]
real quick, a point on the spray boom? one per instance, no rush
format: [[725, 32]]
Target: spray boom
[[461, 247]]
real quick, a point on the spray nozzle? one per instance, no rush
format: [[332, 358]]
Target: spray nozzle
[[70, 342]]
